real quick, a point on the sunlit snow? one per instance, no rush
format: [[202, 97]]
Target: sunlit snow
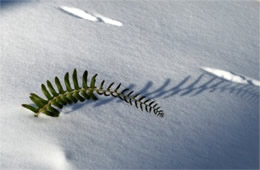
[[199, 60]]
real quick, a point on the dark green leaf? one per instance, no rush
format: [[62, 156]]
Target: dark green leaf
[[35, 110], [92, 96], [93, 81], [67, 82], [85, 95], [117, 87], [115, 94], [77, 96], [50, 113], [129, 94], [110, 86], [75, 79], [69, 96], [39, 104], [107, 93], [122, 95], [55, 103], [60, 100], [123, 91], [52, 109], [100, 92], [85, 80], [64, 98], [36, 97], [52, 90], [101, 85], [59, 86], [46, 92]]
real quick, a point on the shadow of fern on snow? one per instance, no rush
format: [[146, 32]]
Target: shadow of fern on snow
[[189, 87], [204, 83]]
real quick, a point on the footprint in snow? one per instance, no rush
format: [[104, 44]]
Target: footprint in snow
[[232, 77], [91, 17]]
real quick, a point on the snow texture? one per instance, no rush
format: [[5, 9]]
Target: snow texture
[[211, 122]]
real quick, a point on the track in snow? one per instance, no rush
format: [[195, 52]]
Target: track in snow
[[91, 17], [232, 77]]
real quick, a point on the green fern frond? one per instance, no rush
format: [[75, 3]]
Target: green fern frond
[[56, 100]]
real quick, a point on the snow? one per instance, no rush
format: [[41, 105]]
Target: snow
[[79, 13], [92, 17], [233, 77], [108, 20], [210, 121]]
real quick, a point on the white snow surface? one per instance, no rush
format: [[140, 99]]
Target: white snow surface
[[209, 122]]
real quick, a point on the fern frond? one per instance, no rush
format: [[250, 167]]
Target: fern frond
[[72, 94]]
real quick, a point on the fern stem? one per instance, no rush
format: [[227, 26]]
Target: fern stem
[[115, 94], [50, 102]]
